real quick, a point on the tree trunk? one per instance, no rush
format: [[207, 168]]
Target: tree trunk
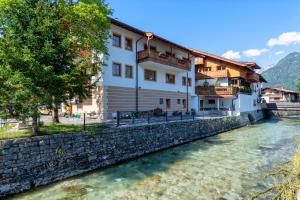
[[35, 123], [55, 117]]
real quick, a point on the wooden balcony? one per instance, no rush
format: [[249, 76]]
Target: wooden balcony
[[212, 74], [253, 77], [158, 57], [216, 91]]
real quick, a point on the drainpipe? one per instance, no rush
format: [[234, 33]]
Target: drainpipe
[[137, 75], [187, 92]]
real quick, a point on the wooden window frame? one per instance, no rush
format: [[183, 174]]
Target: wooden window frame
[[131, 76], [128, 38], [120, 70], [119, 35], [221, 68], [171, 75], [151, 71], [208, 69]]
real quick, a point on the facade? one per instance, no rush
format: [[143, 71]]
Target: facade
[[274, 95], [226, 86], [145, 72]]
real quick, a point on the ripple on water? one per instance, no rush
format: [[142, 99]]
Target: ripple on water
[[227, 166]]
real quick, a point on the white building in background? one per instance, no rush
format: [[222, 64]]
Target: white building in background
[[145, 72]]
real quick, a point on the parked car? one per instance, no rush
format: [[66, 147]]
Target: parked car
[[44, 110]]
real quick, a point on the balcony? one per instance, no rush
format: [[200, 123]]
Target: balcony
[[216, 91], [212, 74], [159, 57], [253, 77]]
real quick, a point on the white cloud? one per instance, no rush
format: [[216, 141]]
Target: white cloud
[[232, 54], [254, 52], [285, 39], [279, 52]]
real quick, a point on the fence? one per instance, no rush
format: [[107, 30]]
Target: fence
[[132, 117]]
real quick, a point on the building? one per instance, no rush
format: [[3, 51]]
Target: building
[[226, 86], [273, 95], [145, 72]]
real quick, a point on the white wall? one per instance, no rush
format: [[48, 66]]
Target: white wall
[[245, 103], [125, 57]]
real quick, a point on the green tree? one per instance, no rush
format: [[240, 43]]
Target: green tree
[[49, 50], [298, 85]]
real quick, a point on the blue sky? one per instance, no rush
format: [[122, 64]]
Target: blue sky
[[248, 30]]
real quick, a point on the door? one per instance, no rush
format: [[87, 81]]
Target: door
[[201, 104]]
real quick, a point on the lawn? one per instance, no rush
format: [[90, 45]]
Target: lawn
[[49, 129]]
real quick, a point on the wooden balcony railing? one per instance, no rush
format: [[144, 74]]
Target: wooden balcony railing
[[146, 55], [216, 90], [253, 77], [212, 74]]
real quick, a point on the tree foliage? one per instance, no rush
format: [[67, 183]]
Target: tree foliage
[[49, 50], [298, 85]]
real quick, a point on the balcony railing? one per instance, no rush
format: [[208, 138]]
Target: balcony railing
[[253, 77], [216, 90], [162, 58], [212, 74]]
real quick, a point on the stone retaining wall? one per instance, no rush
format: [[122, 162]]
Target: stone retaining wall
[[29, 162]]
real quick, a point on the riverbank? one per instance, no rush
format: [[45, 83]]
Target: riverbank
[[30, 162], [231, 165]]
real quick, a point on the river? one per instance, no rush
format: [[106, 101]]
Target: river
[[231, 165]]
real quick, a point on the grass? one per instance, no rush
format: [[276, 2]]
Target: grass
[[286, 181], [49, 129]]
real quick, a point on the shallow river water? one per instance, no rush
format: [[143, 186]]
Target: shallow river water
[[231, 165]]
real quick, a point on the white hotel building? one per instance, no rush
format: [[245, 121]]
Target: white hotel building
[[145, 72]]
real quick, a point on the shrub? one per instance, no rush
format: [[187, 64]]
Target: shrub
[[251, 118], [157, 112]]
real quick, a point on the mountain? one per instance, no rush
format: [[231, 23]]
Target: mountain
[[285, 73]]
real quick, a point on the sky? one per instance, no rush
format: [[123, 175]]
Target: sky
[[263, 31]]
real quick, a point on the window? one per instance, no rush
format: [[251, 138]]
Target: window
[[128, 71], [220, 68], [189, 82], [128, 44], [152, 48], [116, 69], [184, 81], [211, 101], [178, 101], [168, 103], [170, 78], [161, 101], [150, 75], [234, 82], [206, 69], [184, 103], [116, 40]]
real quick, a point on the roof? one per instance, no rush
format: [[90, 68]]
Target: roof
[[281, 89], [198, 52], [249, 65], [262, 79], [143, 33], [252, 64]]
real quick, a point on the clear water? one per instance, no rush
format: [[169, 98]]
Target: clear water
[[231, 165]]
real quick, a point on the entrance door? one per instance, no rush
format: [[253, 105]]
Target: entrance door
[[201, 104]]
